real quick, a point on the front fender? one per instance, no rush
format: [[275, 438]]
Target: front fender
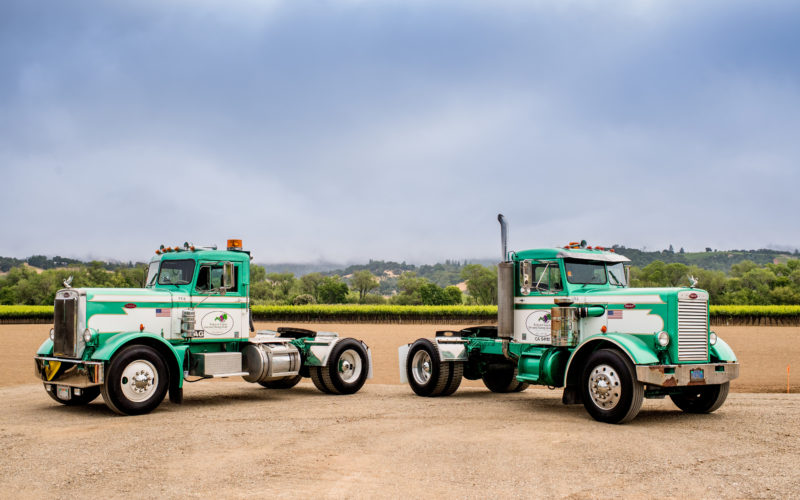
[[46, 349], [722, 351], [637, 350], [113, 344]]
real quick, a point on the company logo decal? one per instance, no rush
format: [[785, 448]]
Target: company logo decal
[[538, 324], [217, 323]]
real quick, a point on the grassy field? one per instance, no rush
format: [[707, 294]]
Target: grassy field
[[421, 314]]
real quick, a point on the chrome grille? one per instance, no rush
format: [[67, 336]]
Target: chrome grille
[[692, 330], [65, 324]]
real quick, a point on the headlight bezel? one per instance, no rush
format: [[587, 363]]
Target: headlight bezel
[[712, 338], [52, 334], [87, 336], [662, 340]]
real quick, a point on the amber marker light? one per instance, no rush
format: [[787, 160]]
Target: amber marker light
[[234, 244]]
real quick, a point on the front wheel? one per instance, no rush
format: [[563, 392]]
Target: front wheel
[[611, 392], [347, 369], [701, 399], [136, 381], [87, 395]]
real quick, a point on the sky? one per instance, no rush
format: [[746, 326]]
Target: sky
[[349, 130]]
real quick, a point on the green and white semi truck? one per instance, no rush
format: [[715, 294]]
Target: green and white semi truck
[[567, 318], [190, 322]]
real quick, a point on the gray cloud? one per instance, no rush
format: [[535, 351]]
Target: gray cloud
[[350, 130]]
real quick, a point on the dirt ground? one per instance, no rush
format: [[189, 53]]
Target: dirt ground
[[764, 352], [237, 440]]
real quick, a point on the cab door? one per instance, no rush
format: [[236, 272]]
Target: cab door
[[539, 283], [219, 309]]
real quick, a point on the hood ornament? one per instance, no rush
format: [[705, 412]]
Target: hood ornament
[[692, 281], [68, 282]]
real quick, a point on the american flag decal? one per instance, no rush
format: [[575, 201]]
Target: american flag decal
[[163, 313], [615, 314]]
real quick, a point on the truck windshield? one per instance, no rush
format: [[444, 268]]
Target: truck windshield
[[616, 274], [152, 273], [176, 272], [586, 273]]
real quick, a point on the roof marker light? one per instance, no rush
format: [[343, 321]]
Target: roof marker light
[[234, 244]]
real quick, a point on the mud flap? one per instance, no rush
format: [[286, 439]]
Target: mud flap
[[175, 394], [571, 396]]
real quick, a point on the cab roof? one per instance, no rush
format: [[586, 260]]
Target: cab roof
[[205, 254], [570, 253]]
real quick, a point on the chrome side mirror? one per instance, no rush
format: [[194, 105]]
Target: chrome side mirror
[[526, 271], [228, 276]]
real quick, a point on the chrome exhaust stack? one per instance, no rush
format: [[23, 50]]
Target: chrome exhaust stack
[[505, 292]]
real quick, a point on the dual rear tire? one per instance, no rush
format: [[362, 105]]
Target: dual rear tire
[[428, 375], [346, 371]]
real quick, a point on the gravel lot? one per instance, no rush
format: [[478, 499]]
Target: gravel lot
[[233, 439], [236, 440]]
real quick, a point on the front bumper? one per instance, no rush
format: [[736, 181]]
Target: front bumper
[[687, 375], [69, 372]]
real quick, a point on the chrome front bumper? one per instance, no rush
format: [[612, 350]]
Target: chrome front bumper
[[686, 375], [69, 372]]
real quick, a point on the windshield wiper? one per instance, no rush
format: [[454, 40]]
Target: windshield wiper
[[614, 277]]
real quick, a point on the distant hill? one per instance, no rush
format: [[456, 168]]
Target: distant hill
[[716, 260]]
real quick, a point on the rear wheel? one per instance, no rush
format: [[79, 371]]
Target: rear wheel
[[282, 383], [86, 396], [136, 381], [611, 392], [347, 369], [427, 374], [701, 399], [503, 378]]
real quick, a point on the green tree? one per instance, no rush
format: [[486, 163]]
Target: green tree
[[309, 284], [363, 282], [332, 290], [481, 283]]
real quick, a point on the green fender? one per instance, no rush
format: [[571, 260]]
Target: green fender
[[637, 350], [46, 349], [113, 344], [722, 351]]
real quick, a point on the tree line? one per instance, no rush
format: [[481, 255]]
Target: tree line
[[746, 283]]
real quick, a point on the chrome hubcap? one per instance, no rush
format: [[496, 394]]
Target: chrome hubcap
[[604, 387], [350, 366], [139, 381], [421, 367]]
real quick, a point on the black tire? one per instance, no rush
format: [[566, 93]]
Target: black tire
[[283, 383], [502, 378], [701, 399], [347, 369], [456, 374], [128, 397], [316, 377], [88, 394], [615, 396], [427, 375]]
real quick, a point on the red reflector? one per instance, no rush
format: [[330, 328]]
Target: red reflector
[[630, 306], [603, 329], [130, 306], [141, 328], [692, 295]]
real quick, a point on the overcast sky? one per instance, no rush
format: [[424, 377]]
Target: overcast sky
[[348, 130]]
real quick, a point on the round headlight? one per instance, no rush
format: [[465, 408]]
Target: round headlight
[[663, 339], [712, 338], [87, 335], [52, 334]]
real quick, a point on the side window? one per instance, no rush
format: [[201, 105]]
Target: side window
[[548, 278], [209, 278], [540, 277]]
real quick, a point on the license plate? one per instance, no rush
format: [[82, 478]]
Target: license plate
[[696, 375], [63, 392]]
